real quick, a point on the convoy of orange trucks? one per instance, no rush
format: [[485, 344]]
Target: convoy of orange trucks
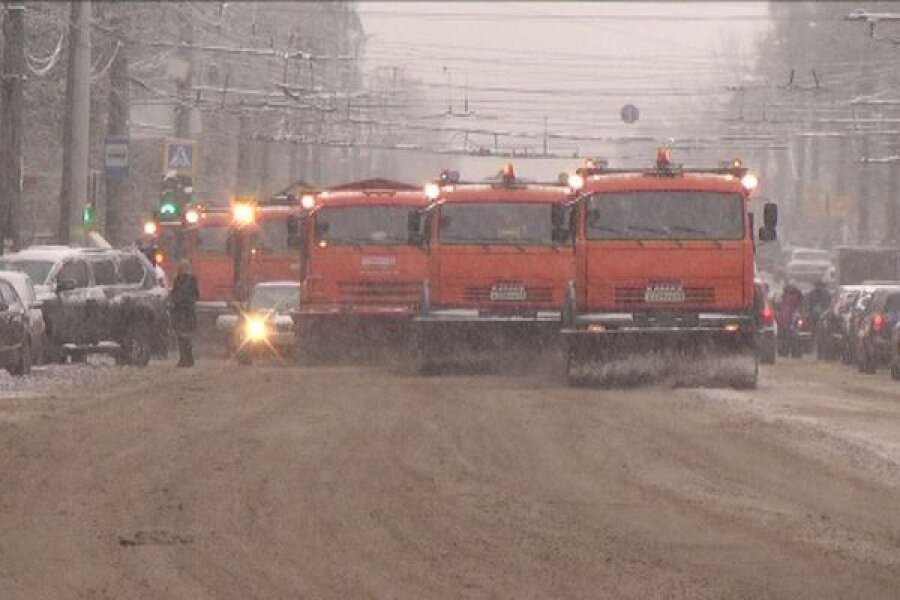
[[605, 264]]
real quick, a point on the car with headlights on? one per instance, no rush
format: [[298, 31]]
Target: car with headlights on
[[265, 324]]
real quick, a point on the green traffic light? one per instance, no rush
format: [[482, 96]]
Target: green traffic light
[[87, 214]]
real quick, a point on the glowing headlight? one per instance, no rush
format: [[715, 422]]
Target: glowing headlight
[[749, 181], [150, 228], [243, 213], [576, 181], [255, 329], [191, 217], [432, 191], [308, 202]]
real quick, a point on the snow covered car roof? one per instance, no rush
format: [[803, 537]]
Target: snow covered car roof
[[50, 253], [22, 284]]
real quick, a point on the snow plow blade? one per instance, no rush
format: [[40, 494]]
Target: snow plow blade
[[694, 356], [438, 343]]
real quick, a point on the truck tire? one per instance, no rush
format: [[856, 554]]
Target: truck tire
[[22, 364], [796, 348], [866, 364], [767, 354], [895, 370]]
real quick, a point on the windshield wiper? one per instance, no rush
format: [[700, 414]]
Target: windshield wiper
[[688, 229], [646, 229]]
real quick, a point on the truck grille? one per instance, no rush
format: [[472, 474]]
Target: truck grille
[[380, 292], [482, 294], [634, 296]]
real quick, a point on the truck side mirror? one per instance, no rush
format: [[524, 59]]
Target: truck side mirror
[[767, 235], [414, 228], [560, 232], [65, 285], [770, 215], [294, 239]]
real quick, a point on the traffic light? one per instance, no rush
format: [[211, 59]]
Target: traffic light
[[88, 216], [177, 191]]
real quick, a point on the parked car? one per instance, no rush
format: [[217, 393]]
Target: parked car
[[97, 300], [831, 330], [876, 329], [16, 348], [806, 266], [765, 324], [265, 325], [37, 329], [895, 353]]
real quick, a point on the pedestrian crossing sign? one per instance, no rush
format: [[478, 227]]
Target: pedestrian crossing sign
[[179, 156]]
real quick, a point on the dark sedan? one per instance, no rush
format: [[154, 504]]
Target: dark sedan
[[15, 331]]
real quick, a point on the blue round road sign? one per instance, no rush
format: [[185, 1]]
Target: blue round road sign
[[630, 113]]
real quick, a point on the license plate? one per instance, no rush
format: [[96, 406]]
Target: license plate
[[508, 292], [664, 294], [378, 261]]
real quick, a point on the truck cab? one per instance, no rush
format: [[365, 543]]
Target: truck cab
[[363, 267], [664, 260], [500, 257], [233, 248]]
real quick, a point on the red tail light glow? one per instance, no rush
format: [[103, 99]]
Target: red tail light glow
[[877, 322], [768, 313]]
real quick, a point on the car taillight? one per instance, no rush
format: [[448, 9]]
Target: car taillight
[[768, 313], [877, 322]]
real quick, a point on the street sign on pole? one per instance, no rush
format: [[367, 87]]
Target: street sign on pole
[[117, 157], [630, 113], [178, 156]]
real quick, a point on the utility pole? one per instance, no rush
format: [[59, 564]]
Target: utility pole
[[183, 83], [892, 235], [117, 126], [545, 136], [799, 188], [76, 134], [862, 224], [11, 140], [244, 166]]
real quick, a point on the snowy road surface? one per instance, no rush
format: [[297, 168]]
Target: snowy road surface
[[360, 482]]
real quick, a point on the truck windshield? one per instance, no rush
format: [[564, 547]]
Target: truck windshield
[[172, 240], [515, 223], [665, 215], [272, 236], [213, 239], [37, 270], [270, 297], [381, 225]]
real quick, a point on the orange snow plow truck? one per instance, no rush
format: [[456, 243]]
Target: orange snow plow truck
[[664, 270], [500, 256], [363, 270]]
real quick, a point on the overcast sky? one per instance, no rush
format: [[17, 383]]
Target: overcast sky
[[575, 63]]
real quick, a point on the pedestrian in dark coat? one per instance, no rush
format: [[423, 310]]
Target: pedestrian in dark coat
[[183, 300]]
